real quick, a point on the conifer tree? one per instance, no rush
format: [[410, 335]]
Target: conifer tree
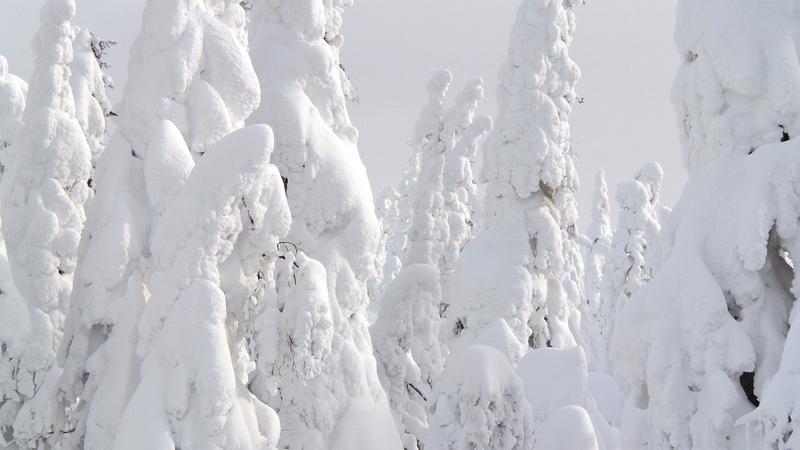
[[193, 391], [45, 189], [333, 220], [529, 207], [701, 345], [190, 83]]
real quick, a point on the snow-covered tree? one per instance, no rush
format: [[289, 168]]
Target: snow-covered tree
[[625, 268], [190, 82], [706, 340], [406, 337], [599, 244], [519, 268], [13, 91], [193, 391], [89, 84], [650, 175], [387, 208], [296, 52], [44, 192], [428, 229], [461, 133], [14, 319], [480, 403], [406, 333]]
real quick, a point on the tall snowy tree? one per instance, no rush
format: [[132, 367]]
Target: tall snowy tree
[[529, 207], [428, 228], [296, 51], [706, 340], [625, 268], [518, 284], [14, 319], [387, 207], [461, 132], [651, 175], [599, 244], [406, 337], [406, 333], [193, 390], [190, 82], [43, 213]]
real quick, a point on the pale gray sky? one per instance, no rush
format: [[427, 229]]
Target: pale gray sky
[[624, 48]]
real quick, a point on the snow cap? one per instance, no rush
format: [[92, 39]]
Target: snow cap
[[651, 172], [58, 11], [439, 82], [632, 195]]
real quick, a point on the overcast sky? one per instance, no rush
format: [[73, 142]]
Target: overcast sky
[[624, 48]]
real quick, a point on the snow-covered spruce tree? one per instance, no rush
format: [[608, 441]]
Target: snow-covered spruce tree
[[44, 191], [89, 84], [193, 390], [460, 191], [428, 228], [13, 91], [599, 243], [702, 343], [190, 82], [406, 338], [461, 134], [406, 333], [480, 403], [650, 175], [516, 268], [296, 52], [387, 207], [625, 268], [14, 319]]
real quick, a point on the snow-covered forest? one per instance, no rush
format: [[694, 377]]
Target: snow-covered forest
[[202, 263]]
